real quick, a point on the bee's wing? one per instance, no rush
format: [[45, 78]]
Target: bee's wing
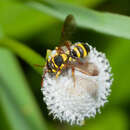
[[68, 29], [86, 68]]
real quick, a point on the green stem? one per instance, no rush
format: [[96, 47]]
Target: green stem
[[24, 52]]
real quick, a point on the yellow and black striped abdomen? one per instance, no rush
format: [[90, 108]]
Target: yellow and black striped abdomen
[[81, 50]]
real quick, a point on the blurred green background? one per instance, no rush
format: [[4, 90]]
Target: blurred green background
[[29, 27]]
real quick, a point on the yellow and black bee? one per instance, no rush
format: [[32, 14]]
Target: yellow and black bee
[[66, 58], [61, 60]]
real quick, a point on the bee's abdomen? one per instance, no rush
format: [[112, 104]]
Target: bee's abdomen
[[81, 50], [87, 48]]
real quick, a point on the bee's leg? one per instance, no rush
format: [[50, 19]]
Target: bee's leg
[[58, 73], [73, 70], [39, 65], [43, 77], [73, 74]]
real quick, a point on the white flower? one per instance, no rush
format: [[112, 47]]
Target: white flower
[[74, 104]]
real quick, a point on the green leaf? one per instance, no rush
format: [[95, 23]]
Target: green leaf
[[20, 21], [88, 3], [5, 124], [1, 33], [28, 55], [107, 23], [17, 101], [119, 55]]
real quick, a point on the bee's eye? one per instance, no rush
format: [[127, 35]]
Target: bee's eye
[[58, 60], [74, 54]]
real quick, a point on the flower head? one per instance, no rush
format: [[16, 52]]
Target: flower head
[[75, 103]]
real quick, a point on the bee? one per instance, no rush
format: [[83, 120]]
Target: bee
[[70, 58], [63, 59]]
